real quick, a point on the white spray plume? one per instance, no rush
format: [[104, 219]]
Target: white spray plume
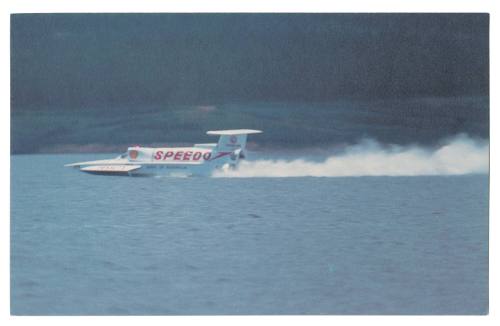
[[459, 155]]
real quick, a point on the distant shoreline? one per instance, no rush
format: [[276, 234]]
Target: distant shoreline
[[287, 126]]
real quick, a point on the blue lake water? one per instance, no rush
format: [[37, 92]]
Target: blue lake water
[[84, 244]]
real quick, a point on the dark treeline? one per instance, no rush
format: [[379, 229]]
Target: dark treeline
[[81, 60], [305, 79], [424, 121]]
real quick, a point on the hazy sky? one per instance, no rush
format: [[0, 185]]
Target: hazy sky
[[81, 60]]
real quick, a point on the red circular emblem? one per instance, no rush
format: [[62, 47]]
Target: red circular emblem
[[233, 139], [133, 154]]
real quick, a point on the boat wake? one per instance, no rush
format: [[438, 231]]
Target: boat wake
[[455, 156]]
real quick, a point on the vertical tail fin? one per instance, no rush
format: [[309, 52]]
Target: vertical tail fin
[[231, 140]]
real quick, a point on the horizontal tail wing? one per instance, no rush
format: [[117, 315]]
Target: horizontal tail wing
[[233, 132], [232, 140]]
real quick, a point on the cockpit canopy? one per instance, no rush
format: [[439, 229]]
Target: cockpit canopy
[[139, 153]]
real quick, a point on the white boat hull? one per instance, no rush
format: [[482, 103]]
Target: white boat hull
[[199, 160]]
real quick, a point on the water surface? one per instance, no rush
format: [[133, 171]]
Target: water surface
[[84, 244]]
